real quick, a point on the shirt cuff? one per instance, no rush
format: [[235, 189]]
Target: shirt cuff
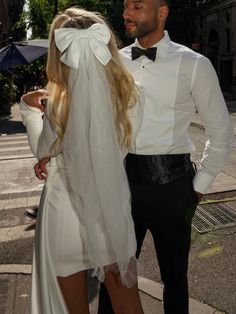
[[202, 181], [24, 106]]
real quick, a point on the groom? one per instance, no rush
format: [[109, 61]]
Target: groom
[[165, 191]]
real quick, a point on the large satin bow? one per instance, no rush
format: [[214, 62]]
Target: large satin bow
[[70, 41]]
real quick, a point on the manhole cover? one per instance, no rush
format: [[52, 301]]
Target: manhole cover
[[210, 217]]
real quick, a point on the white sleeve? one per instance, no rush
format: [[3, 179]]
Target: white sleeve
[[212, 109], [46, 139], [32, 120], [40, 133]]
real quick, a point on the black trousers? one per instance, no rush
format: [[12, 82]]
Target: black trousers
[[166, 210]]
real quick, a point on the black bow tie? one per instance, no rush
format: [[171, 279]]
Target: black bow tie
[[150, 53]]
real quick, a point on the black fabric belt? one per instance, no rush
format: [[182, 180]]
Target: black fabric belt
[[156, 169]]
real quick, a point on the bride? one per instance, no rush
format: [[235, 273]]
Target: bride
[[84, 219]]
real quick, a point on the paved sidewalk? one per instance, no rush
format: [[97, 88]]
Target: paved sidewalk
[[15, 283]]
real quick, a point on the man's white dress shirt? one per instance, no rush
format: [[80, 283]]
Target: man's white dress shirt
[[178, 83]]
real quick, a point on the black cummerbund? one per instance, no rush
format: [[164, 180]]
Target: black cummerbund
[[156, 169]]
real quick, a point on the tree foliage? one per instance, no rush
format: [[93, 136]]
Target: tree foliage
[[41, 12], [39, 15]]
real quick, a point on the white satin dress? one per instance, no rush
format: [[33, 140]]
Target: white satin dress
[[61, 239]]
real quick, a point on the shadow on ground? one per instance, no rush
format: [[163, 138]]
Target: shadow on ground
[[11, 127]]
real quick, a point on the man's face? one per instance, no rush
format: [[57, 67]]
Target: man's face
[[141, 17]]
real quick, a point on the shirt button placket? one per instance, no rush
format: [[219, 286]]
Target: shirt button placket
[[143, 62]]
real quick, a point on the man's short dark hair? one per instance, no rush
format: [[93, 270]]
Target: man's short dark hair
[[165, 2]]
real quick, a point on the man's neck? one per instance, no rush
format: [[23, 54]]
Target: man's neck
[[151, 39]]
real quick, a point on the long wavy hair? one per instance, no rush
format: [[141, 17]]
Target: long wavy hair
[[122, 87]]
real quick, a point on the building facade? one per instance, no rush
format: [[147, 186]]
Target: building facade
[[10, 11], [5, 23], [217, 39]]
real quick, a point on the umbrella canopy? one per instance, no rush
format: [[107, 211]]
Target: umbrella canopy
[[23, 52]]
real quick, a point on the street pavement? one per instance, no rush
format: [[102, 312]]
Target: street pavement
[[212, 267]]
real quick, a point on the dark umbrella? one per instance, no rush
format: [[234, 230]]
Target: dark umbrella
[[23, 52]]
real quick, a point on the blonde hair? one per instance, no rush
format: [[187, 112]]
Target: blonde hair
[[122, 86]]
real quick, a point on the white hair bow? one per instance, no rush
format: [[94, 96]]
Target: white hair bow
[[74, 44]]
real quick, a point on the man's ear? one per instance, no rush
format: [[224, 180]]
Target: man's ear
[[163, 12]]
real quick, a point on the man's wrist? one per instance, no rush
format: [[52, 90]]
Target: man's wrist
[[202, 181]]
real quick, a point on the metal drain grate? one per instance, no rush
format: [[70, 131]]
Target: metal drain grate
[[209, 217]]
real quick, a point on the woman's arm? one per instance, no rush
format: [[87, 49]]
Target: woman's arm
[[41, 136], [33, 121]]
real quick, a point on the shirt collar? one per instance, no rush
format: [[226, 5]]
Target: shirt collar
[[163, 46]]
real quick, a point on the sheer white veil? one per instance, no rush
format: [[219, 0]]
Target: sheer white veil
[[95, 173]]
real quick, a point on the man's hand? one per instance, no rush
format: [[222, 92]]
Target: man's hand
[[40, 168], [34, 98]]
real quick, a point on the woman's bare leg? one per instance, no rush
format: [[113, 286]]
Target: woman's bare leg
[[124, 300], [74, 291]]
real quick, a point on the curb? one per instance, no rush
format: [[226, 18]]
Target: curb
[[16, 233], [155, 290], [15, 269], [148, 286], [16, 200]]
